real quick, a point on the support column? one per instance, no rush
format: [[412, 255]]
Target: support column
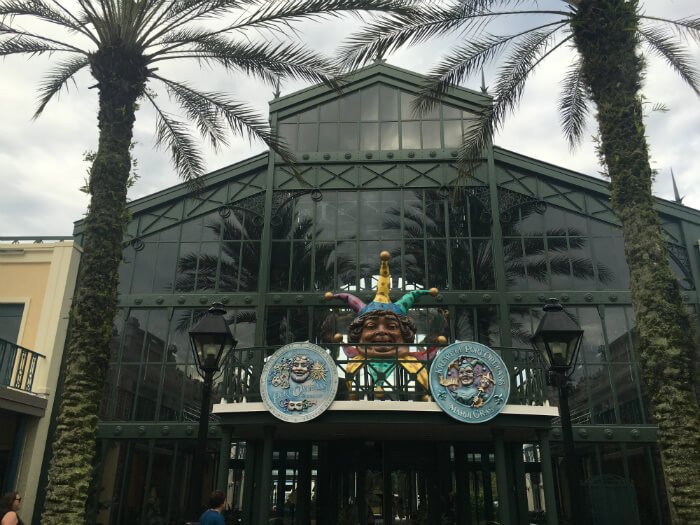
[[263, 489], [550, 500], [249, 481], [224, 460], [501, 477], [518, 463]]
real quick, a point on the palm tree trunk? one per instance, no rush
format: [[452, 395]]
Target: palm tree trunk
[[94, 304], [605, 35]]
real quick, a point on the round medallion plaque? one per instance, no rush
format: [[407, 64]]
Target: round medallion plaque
[[470, 382], [298, 382]]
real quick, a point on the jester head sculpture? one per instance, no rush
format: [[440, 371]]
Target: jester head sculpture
[[381, 326]]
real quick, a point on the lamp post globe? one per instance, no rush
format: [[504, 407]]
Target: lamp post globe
[[211, 340]]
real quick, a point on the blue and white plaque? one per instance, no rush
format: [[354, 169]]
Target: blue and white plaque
[[299, 382], [469, 381]]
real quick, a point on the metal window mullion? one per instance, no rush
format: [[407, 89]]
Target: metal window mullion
[[448, 244], [613, 386]]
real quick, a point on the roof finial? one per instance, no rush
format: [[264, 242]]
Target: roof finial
[[278, 84], [484, 87], [677, 195]]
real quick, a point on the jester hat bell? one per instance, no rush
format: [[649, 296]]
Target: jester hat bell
[[382, 301]]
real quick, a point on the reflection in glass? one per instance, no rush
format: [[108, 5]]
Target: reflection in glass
[[288, 133], [350, 107], [349, 136], [389, 132], [431, 134], [388, 103], [370, 103], [328, 137], [410, 135], [329, 111], [308, 137], [369, 136]]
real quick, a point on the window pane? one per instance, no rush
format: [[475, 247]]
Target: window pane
[[431, 134], [328, 137], [208, 263], [308, 137], [144, 268], [349, 137], [453, 133], [350, 108], [10, 320], [482, 258], [410, 135], [369, 136], [406, 110], [279, 266], [389, 135], [451, 112], [308, 115], [329, 111], [288, 133], [347, 214], [167, 260], [388, 103], [370, 103]]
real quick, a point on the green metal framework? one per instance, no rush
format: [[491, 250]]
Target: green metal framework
[[523, 231]]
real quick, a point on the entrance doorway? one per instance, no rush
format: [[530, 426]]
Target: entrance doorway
[[382, 483]]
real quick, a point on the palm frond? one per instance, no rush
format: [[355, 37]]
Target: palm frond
[[573, 104], [20, 44], [201, 108], [39, 9], [525, 57], [391, 32], [173, 135], [13, 36], [462, 62], [663, 44], [267, 61], [685, 27], [57, 79]]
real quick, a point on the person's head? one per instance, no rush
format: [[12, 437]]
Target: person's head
[[381, 326], [217, 499], [300, 368], [10, 501]]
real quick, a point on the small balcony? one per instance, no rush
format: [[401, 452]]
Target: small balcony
[[18, 368]]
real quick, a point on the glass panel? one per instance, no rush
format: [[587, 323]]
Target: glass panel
[[144, 268], [324, 266], [464, 324], [10, 321], [125, 394], [514, 264], [347, 214], [559, 263], [437, 264], [453, 133], [630, 406], [535, 264], [179, 347], [208, 264], [431, 135], [167, 261], [301, 266], [371, 215], [592, 349], [389, 135], [450, 112], [326, 214], [482, 260], [410, 135], [406, 110], [192, 231], [531, 222], [212, 227], [349, 137], [328, 137], [350, 108], [286, 325], [288, 133], [581, 263], [308, 137], [229, 271], [487, 325], [369, 264], [170, 234], [146, 400], [388, 103], [461, 264], [610, 261], [329, 111], [619, 342], [369, 136], [310, 115], [347, 273], [154, 350], [250, 267], [370, 103], [279, 266]]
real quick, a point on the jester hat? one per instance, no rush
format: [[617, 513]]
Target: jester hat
[[382, 301]]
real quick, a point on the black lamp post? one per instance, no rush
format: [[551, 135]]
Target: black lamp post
[[557, 340], [211, 340]]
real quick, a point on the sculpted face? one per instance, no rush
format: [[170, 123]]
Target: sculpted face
[[382, 329], [466, 375], [300, 369]]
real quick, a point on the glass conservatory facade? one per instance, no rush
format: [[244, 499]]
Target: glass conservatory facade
[[267, 245]]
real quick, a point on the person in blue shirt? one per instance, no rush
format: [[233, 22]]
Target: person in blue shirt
[[213, 515]]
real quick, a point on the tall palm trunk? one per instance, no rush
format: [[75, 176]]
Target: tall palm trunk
[[605, 33], [94, 305]]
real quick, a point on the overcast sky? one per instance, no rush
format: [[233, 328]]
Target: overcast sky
[[41, 166]]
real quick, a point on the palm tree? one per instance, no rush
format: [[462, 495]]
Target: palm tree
[[605, 36], [122, 43]]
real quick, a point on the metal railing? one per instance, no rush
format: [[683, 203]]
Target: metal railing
[[35, 239], [17, 366], [397, 378]]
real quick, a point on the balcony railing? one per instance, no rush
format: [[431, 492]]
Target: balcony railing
[[395, 378], [17, 366]]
